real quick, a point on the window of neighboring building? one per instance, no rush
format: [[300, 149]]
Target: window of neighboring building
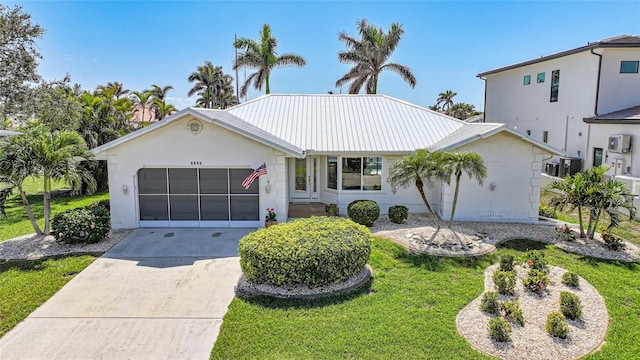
[[529, 132], [597, 157], [555, 84], [545, 136], [362, 173], [332, 172], [527, 79], [540, 78], [629, 67]]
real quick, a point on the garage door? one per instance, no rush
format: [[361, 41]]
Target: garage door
[[197, 197]]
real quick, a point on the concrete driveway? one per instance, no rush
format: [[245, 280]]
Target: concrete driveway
[[158, 294]]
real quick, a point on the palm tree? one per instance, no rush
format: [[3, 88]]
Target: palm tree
[[15, 167], [208, 80], [435, 107], [369, 56], [457, 164], [159, 105], [263, 57], [571, 192], [419, 169], [142, 102], [445, 100]]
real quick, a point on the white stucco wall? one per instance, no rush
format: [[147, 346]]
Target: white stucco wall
[[599, 138], [618, 91], [174, 146], [514, 166]]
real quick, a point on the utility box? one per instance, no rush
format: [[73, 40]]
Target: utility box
[[620, 143], [617, 167], [551, 169], [632, 182], [569, 166]]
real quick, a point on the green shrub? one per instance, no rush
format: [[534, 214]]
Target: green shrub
[[506, 263], [490, 303], [537, 261], [315, 252], [505, 281], [512, 311], [536, 281], [571, 279], [500, 329], [364, 212], [570, 305], [557, 325], [398, 213], [104, 203], [86, 225], [612, 241], [331, 209], [547, 211]]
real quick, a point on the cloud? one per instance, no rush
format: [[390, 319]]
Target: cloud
[[181, 103]]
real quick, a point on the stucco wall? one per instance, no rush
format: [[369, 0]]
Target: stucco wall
[[599, 138], [514, 166], [618, 91], [174, 146]]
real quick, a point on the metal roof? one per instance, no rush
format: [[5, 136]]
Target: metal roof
[[331, 123], [625, 116], [621, 41]]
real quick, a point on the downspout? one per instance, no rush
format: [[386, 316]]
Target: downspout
[[595, 109]]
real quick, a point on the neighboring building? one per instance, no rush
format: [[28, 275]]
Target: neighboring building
[[559, 99], [187, 170]]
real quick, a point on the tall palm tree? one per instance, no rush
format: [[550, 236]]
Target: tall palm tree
[[420, 170], [263, 57], [142, 102], [159, 105], [369, 56], [209, 79], [457, 164], [445, 100]]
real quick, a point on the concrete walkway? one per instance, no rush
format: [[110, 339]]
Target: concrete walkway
[[158, 294]]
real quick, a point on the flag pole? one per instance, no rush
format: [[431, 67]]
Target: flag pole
[[235, 37]]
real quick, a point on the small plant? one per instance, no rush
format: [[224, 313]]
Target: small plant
[[506, 263], [537, 261], [571, 279], [490, 303], [398, 213], [505, 281], [499, 329], [565, 233], [557, 325], [547, 211], [271, 215], [331, 209], [86, 225], [570, 305], [364, 212], [512, 311], [536, 281], [612, 241]]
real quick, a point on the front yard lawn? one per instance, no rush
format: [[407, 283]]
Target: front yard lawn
[[409, 311], [26, 285]]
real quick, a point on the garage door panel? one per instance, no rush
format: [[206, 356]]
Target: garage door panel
[[214, 208], [236, 178], [152, 181], [184, 207], [183, 181], [153, 207], [214, 181], [245, 208]]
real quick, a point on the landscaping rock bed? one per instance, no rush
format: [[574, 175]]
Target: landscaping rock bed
[[531, 341], [247, 289]]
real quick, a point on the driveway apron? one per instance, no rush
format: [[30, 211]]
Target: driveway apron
[[158, 294]]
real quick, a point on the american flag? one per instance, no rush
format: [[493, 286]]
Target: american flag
[[261, 170]]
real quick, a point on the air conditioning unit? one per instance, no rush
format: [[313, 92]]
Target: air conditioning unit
[[620, 143], [633, 183]]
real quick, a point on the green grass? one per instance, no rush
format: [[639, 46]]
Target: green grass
[[17, 223], [26, 285], [409, 311]]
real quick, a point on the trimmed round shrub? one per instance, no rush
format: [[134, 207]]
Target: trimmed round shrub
[[506, 263], [570, 305], [557, 325], [536, 281], [500, 329], [512, 311], [315, 252], [398, 213], [547, 211], [505, 281], [490, 303], [364, 212], [571, 279], [86, 225]]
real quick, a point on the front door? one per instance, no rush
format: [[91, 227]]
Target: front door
[[304, 178], [597, 157]]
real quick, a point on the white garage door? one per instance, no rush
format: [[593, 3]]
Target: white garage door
[[191, 197]]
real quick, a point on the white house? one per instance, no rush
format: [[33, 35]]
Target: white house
[[187, 170], [549, 98]]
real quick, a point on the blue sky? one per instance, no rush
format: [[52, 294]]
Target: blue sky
[[446, 44]]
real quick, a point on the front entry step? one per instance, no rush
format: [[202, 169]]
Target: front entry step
[[305, 210]]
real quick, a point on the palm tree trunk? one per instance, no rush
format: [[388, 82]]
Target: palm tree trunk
[[595, 223], [455, 200], [419, 185], [47, 203], [582, 235], [268, 91], [27, 207], [375, 84]]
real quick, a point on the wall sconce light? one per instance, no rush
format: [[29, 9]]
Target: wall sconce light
[[267, 188], [125, 189], [492, 186]]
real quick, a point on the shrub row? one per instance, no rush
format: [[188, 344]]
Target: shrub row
[[87, 225]]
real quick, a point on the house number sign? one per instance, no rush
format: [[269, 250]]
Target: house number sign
[[196, 163]]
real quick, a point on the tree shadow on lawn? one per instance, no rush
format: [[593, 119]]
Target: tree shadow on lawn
[[308, 303], [442, 264]]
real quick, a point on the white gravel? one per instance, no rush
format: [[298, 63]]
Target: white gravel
[[531, 341]]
